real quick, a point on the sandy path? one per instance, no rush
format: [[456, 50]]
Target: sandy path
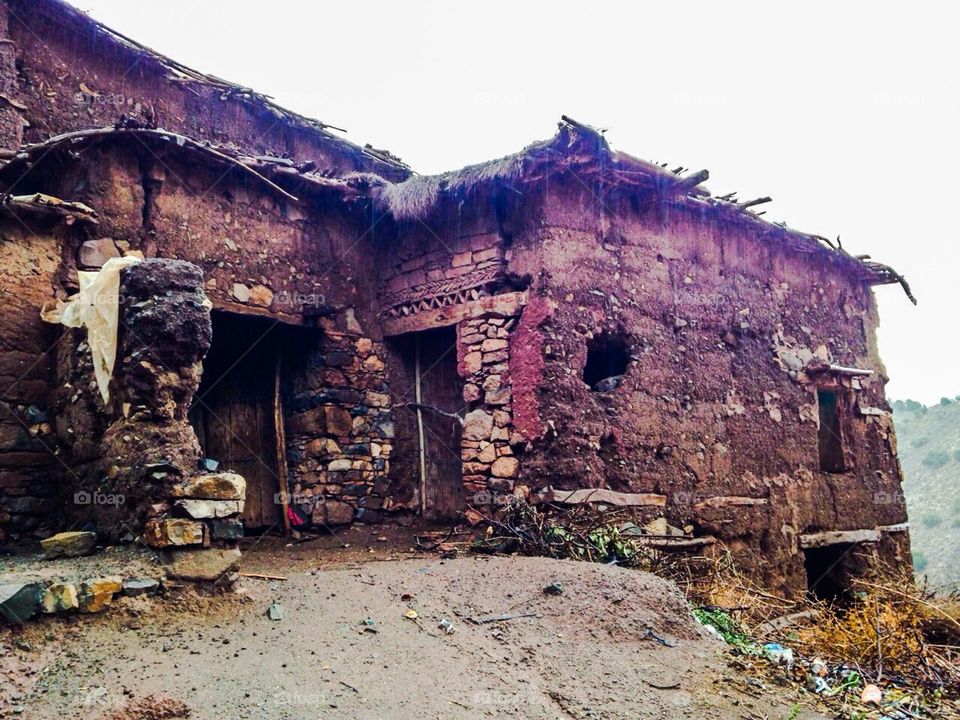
[[590, 652]]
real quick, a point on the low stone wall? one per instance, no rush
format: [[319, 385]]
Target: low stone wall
[[340, 429], [490, 467]]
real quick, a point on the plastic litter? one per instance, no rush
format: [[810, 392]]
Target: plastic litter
[[97, 308], [446, 626], [779, 654], [871, 694], [411, 615]]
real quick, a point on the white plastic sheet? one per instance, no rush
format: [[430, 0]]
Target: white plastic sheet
[[97, 308]]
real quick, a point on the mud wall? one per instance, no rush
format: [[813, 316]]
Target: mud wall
[[714, 403], [62, 73], [30, 257]]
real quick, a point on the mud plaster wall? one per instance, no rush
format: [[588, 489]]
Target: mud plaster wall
[[30, 257], [69, 76], [712, 403]]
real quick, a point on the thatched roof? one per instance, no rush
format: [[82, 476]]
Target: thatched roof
[[581, 150], [143, 58], [278, 174]]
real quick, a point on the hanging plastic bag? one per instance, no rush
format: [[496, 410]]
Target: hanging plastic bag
[[97, 308]]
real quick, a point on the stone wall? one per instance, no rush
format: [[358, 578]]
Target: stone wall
[[340, 427], [490, 467], [715, 402]]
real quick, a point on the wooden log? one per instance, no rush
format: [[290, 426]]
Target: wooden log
[[602, 495], [838, 537], [756, 201]]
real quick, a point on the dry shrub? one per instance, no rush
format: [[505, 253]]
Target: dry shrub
[[882, 630]]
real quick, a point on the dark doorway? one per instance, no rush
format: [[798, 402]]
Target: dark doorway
[[828, 572], [430, 359], [832, 456], [233, 410]]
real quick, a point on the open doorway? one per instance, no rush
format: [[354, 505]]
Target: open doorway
[[828, 572], [436, 400], [234, 409]]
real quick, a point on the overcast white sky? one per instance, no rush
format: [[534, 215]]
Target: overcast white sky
[[847, 114]]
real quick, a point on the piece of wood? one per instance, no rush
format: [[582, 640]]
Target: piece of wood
[[260, 576], [668, 542], [602, 495], [728, 501], [838, 537], [418, 394], [483, 619], [281, 443], [757, 201], [504, 305]]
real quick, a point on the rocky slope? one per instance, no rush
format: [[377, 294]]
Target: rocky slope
[[929, 446]]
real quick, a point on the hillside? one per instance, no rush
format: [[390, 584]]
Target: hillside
[[929, 446]]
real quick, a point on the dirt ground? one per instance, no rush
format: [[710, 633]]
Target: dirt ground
[[613, 643]]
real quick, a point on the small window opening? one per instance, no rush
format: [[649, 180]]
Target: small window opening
[[832, 456], [607, 359], [828, 572]]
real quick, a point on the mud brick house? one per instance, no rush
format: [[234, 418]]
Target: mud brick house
[[351, 341]]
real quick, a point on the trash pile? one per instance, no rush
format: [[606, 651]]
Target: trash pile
[[823, 651]]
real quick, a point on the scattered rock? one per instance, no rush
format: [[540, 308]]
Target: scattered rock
[[207, 564], [20, 601], [95, 595], [60, 597], [275, 611], [140, 586], [69, 544]]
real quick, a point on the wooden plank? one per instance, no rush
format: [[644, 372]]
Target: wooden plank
[[728, 501], [838, 537], [281, 446], [506, 305], [602, 495]]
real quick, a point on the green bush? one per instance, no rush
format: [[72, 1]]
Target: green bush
[[936, 459], [920, 561], [931, 520]]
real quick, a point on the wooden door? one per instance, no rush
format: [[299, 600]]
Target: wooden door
[[440, 388], [235, 414]]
